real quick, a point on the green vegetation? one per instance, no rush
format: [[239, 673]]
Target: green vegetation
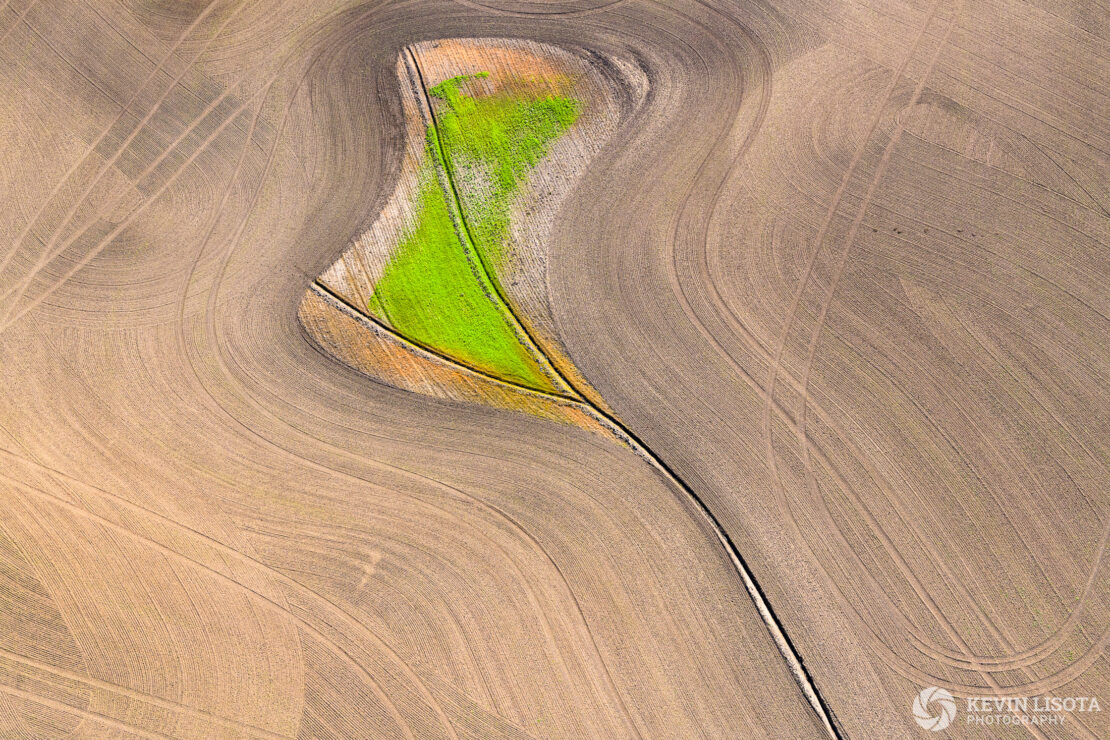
[[500, 137], [430, 294], [434, 290]]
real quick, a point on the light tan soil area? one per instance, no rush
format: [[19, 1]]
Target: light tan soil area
[[844, 271]]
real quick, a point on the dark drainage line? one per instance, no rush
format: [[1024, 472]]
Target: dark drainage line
[[771, 620]]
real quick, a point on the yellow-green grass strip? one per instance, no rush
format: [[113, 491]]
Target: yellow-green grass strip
[[430, 291]]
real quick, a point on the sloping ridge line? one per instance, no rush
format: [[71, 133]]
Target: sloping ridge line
[[432, 353], [774, 625]]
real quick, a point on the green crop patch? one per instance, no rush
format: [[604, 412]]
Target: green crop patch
[[429, 293], [501, 136], [435, 290]]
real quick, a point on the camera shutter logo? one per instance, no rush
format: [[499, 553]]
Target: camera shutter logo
[[934, 708]]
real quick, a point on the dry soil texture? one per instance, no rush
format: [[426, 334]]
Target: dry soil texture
[[842, 269]]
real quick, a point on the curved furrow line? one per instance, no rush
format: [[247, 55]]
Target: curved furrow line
[[786, 647], [212, 334], [243, 557], [838, 271], [499, 8], [802, 437], [102, 719], [115, 688], [800, 430], [227, 580], [775, 371], [102, 243], [19, 19], [49, 252], [103, 134]]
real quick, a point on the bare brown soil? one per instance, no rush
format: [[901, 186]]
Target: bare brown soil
[[843, 270]]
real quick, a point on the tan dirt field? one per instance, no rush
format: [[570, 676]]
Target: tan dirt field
[[843, 271]]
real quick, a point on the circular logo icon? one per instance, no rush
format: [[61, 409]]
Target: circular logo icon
[[934, 708]]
